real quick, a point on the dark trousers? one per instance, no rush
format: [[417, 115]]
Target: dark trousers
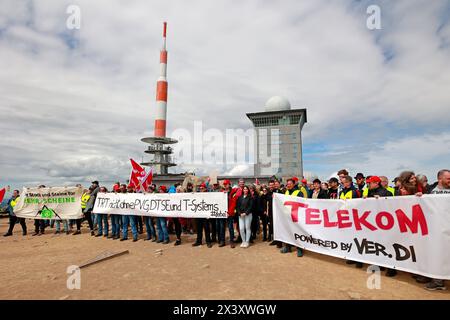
[[87, 216], [39, 225], [254, 226], [213, 229], [12, 223], [231, 228], [271, 226], [203, 223], [177, 224], [220, 225], [140, 224]]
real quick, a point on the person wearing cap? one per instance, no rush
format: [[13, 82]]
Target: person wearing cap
[[376, 190], [385, 184], [232, 199], [129, 219], [116, 218], [303, 187], [202, 223], [397, 185], [333, 189], [360, 182], [161, 223]]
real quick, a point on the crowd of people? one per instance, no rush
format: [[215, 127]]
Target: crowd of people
[[250, 215]]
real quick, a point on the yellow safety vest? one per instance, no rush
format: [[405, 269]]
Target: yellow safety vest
[[84, 199], [365, 192], [391, 190], [14, 202], [305, 193], [294, 194], [348, 195]]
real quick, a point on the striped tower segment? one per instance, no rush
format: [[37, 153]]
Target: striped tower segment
[[161, 91]]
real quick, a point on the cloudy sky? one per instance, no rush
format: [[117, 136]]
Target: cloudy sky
[[75, 103]]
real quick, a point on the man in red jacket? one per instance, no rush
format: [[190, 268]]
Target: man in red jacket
[[232, 199]]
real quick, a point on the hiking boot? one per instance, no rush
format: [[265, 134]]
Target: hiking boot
[[177, 242], [391, 273], [8, 234], [196, 244], [75, 233], [124, 239], [273, 243], [98, 235], [166, 241], [435, 285], [135, 239], [222, 244], [210, 245]]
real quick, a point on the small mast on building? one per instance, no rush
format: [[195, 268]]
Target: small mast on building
[[159, 144]]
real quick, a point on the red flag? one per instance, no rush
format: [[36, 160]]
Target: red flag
[[2, 194], [147, 180], [137, 173]]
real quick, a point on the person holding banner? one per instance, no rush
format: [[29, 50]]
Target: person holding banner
[[12, 217], [244, 212], [443, 187], [39, 224], [129, 219], [87, 210], [232, 199], [161, 223], [203, 223], [102, 220], [292, 190], [149, 225], [176, 221], [376, 190]]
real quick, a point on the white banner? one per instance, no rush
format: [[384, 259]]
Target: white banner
[[176, 205], [406, 233], [58, 203]]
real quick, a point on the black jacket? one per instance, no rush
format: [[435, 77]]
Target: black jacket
[[322, 194], [266, 202], [380, 191], [244, 204], [332, 193], [256, 207]]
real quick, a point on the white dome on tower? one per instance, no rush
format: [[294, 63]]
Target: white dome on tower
[[277, 103]]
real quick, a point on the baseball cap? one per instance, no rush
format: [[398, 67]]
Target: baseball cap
[[163, 188], [373, 179], [226, 182], [203, 185], [304, 181]]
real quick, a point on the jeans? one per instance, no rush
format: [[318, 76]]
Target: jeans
[[115, 226], [220, 226], [245, 227], [94, 219], [231, 228], [132, 221], [65, 223], [150, 228], [163, 233], [102, 221]]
